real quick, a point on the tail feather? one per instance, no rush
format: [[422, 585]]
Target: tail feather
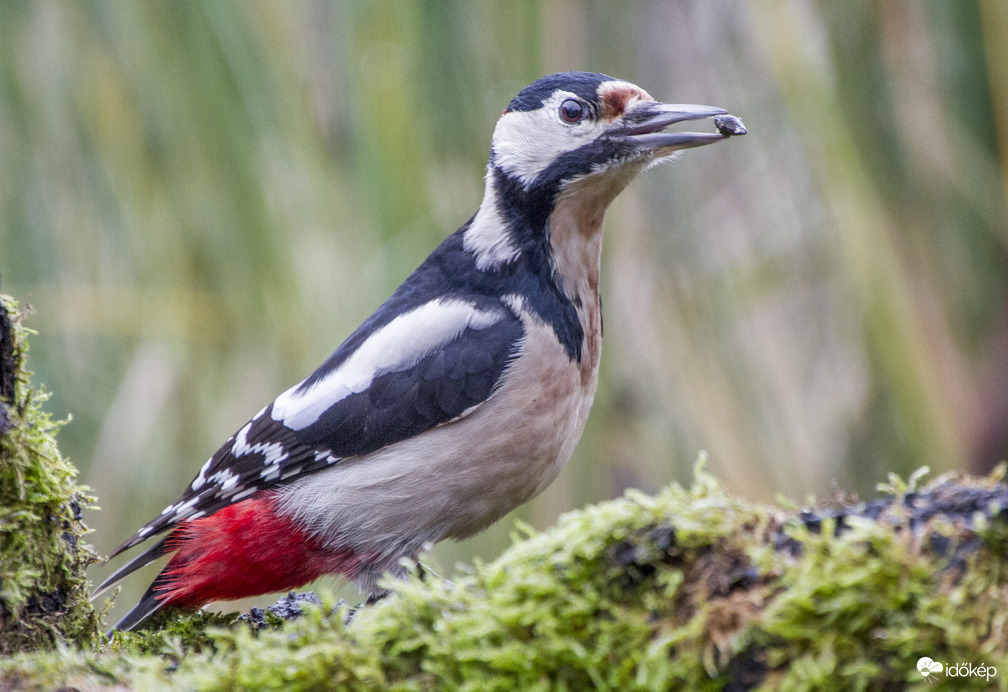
[[148, 605], [142, 560]]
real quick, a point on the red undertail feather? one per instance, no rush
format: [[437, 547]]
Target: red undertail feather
[[245, 549]]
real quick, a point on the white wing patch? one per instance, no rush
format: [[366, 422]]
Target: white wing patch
[[241, 495], [186, 508], [398, 345], [273, 453], [326, 455], [201, 476]]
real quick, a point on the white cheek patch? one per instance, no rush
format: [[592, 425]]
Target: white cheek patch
[[525, 143], [398, 345], [517, 150]]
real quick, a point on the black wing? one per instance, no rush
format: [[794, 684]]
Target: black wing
[[424, 389]]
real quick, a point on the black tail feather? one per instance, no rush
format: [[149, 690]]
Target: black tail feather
[[142, 560], [148, 605]]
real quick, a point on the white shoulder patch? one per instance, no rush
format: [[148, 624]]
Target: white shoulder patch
[[398, 345]]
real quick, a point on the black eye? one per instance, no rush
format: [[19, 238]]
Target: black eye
[[571, 111]]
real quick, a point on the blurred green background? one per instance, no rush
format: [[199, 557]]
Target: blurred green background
[[200, 200]]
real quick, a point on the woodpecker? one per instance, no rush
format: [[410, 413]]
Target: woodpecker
[[459, 399]]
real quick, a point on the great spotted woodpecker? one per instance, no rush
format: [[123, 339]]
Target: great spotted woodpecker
[[460, 398]]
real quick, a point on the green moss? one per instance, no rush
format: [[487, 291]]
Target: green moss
[[42, 557], [691, 589]]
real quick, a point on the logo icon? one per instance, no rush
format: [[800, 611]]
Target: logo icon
[[928, 667]]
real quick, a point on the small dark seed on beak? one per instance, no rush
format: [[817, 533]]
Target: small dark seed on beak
[[729, 125]]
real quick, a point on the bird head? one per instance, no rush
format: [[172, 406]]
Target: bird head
[[571, 126], [580, 135]]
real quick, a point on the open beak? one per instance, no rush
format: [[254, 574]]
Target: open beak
[[642, 126]]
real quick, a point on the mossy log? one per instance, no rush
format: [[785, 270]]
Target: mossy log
[[693, 589]]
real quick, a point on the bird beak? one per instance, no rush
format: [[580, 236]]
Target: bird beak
[[642, 126]]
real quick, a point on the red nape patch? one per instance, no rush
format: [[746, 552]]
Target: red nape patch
[[246, 549]]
